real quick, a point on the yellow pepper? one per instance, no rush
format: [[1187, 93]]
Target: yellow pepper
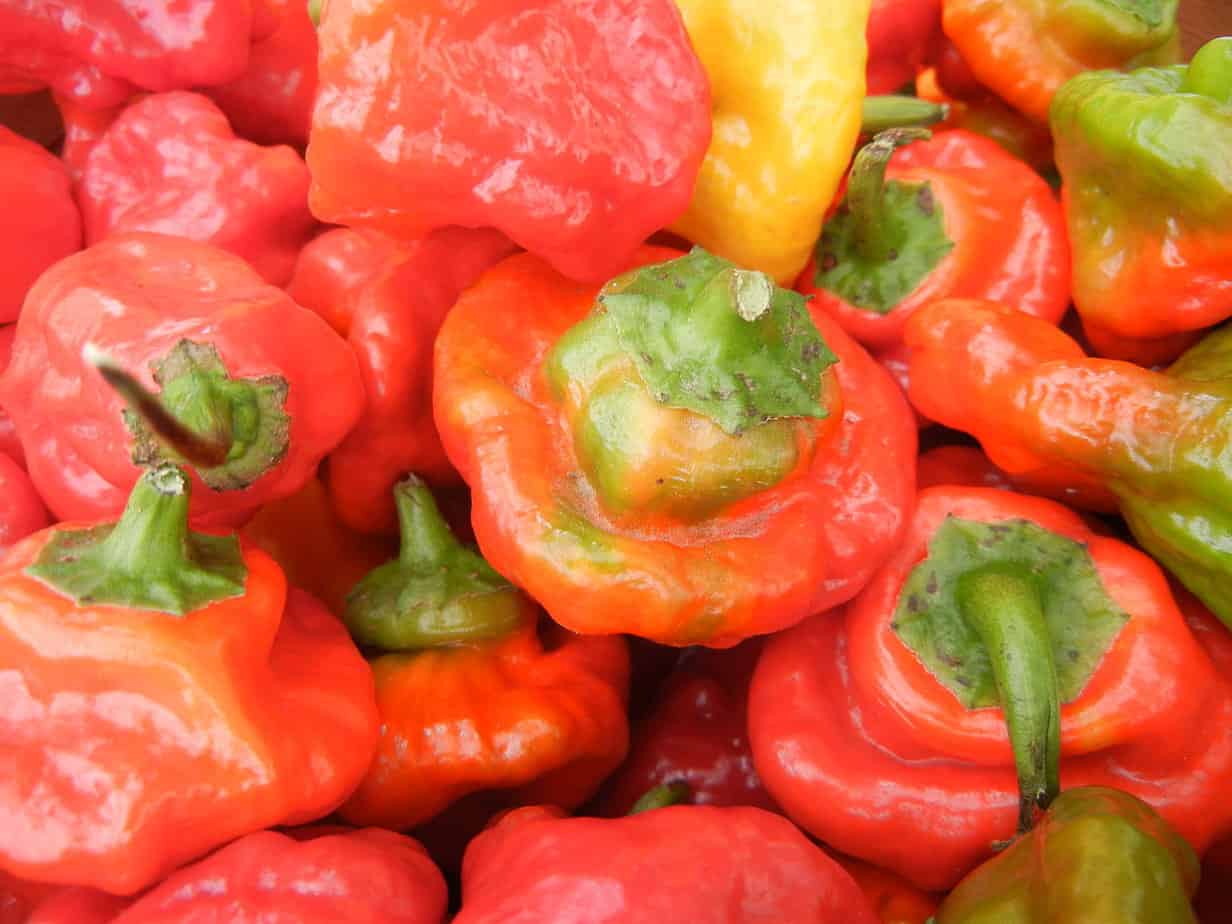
[[786, 80]]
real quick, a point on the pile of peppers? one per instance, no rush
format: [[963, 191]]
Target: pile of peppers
[[615, 461]]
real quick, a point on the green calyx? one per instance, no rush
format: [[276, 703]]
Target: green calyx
[[661, 796], [885, 238], [1010, 614], [244, 418], [437, 592], [150, 559]]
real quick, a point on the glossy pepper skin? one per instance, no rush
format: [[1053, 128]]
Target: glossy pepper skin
[[21, 509], [140, 298], [649, 867], [1024, 50], [170, 163], [922, 784], [163, 697], [394, 325], [475, 697], [10, 444], [576, 129], [695, 735], [1002, 236], [99, 52], [41, 224], [967, 465], [333, 269], [1147, 191], [688, 544], [899, 34], [777, 71], [1042, 409], [365, 876], [1099, 856]]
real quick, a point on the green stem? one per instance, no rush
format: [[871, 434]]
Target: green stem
[[1002, 605], [314, 11], [874, 234], [426, 537], [661, 797], [879, 113]]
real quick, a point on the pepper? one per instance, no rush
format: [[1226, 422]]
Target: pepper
[[41, 224], [698, 863], [895, 900], [334, 267], [1147, 191], [967, 465], [695, 735], [1097, 856], [10, 445], [474, 696], [1041, 409], [679, 458], [395, 322], [335, 877], [1024, 50], [171, 163], [899, 34], [263, 384], [164, 696], [576, 129], [99, 52], [271, 101], [21, 509], [882, 729], [778, 72], [953, 215]]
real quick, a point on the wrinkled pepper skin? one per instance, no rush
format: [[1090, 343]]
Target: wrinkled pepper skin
[[21, 509], [271, 101], [754, 566], [1099, 856], [365, 876], [139, 297], [698, 863], [777, 71], [170, 163], [136, 739], [1147, 191], [393, 330], [334, 267], [1024, 50], [41, 222], [695, 734], [922, 785], [604, 102], [898, 34], [99, 52], [1005, 223], [1042, 409]]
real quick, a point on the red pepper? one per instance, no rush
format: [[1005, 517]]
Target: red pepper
[[41, 224], [83, 126], [171, 163], [952, 215], [19, 898], [898, 37], [895, 900], [238, 361], [333, 269], [695, 863], [366, 876], [21, 509], [271, 102], [99, 52], [865, 745], [392, 333], [576, 129], [967, 465], [10, 444], [695, 735]]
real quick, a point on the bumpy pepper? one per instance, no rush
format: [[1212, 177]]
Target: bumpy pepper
[[98, 52], [21, 509], [895, 900], [330, 877], [953, 215], [698, 863], [334, 268], [678, 455], [1098, 856], [787, 79], [41, 221], [171, 163], [163, 694], [899, 33], [1147, 192], [992, 660], [1024, 50], [1043, 410], [393, 328], [576, 129], [263, 387], [473, 698]]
